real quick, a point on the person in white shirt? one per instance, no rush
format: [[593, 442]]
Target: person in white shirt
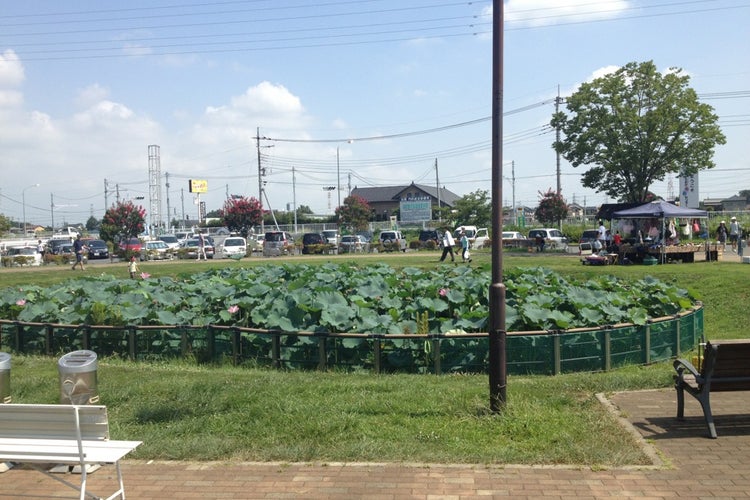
[[734, 233], [448, 243]]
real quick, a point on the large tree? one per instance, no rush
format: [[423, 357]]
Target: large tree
[[355, 213], [633, 127], [121, 221], [473, 208], [241, 214], [552, 208]]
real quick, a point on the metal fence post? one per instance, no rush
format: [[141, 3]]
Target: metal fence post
[[377, 352], [647, 347], [49, 335], [132, 342], [607, 348], [276, 348], [556, 352], [436, 355], [322, 362]]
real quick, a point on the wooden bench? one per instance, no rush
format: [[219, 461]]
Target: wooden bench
[[725, 367], [61, 434]]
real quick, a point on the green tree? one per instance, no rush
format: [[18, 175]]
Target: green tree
[[355, 213], [474, 208], [241, 214], [5, 224], [552, 208], [635, 126], [92, 224], [121, 221]]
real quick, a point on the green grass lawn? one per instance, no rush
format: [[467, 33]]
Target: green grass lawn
[[188, 412]]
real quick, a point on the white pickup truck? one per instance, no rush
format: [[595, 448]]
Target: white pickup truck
[[477, 236]]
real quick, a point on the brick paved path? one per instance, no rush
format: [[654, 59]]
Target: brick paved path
[[688, 465]]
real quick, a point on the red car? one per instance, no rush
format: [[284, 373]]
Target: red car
[[132, 244]]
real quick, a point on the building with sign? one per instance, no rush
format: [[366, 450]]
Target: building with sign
[[413, 203]]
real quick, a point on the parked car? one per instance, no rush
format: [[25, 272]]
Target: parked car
[[589, 236], [393, 240], [513, 235], [132, 244], [313, 243], [156, 250], [24, 256], [427, 235], [69, 255], [331, 236], [277, 243], [553, 238], [189, 249], [233, 246], [97, 249], [54, 243], [477, 236], [171, 241], [352, 243]]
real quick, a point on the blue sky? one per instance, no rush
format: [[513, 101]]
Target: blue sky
[[348, 93]]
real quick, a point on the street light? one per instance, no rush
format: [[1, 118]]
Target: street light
[[23, 204]]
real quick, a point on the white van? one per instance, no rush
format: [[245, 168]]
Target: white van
[[477, 236], [233, 246]]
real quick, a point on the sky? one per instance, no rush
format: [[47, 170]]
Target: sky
[[342, 94]]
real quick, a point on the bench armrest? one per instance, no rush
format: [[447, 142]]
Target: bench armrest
[[681, 365]]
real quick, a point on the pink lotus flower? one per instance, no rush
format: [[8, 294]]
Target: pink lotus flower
[[443, 292], [233, 309], [145, 276], [21, 302]]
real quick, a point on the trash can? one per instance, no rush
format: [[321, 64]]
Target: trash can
[[78, 378], [4, 377]]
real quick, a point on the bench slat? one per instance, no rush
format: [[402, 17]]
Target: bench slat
[[64, 452], [726, 367], [47, 421]]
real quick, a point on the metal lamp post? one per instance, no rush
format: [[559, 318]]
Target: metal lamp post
[[23, 204]]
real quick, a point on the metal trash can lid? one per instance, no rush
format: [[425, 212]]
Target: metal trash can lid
[[77, 362], [4, 361]]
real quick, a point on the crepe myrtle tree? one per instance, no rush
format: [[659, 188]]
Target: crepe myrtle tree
[[634, 127], [354, 213], [240, 214], [552, 208], [121, 221]]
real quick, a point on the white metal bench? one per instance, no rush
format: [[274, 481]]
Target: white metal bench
[[70, 435]]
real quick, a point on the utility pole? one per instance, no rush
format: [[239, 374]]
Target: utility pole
[[437, 185], [557, 140], [182, 199], [338, 177], [294, 198], [169, 214], [497, 334], [513, 176], [52, 204], [260, 180]]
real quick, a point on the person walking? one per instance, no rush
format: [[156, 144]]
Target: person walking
[[448, 243], [465, 244], [734, 233], [40, 249], [721, 234], [133, 267], [201, 247], [79, 248], [602, 234]]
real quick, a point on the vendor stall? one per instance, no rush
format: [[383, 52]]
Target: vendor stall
[[662, 230]]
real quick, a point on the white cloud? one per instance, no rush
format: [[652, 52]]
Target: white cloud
[[11, 70], [549, 12], [91, 95]]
